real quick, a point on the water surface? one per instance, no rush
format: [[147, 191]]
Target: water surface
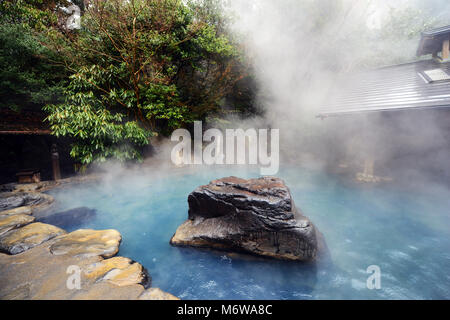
[[404, 232]]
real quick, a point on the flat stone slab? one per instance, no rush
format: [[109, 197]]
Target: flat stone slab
[[119, 271], [39, 258], [27, 237], [38, 274], [87, 243], [10, 222], [11, 200], [19, 210], [46, 185], [43, 272]]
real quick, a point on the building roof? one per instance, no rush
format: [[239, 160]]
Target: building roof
[[431, 41], [406, 86]]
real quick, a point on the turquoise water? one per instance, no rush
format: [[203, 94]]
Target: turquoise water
[[406, 233]]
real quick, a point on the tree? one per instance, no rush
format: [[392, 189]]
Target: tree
[[139, 68], [28, 78]]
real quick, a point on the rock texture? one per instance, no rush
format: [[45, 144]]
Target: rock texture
[[47, 185], [87, 243], [38, 274], [19, 210], [11, 200], [257, 216], [119, 271], [25, 238], [10, 222], [41, 257], [42, 271]]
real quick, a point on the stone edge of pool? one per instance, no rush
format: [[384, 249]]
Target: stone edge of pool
[[43, 261]]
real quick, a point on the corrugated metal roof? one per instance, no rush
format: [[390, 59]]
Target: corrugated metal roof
[[390, 88]]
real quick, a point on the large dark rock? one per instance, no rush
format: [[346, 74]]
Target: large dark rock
[[256, 216]]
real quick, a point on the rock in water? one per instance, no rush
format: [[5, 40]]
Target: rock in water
[[256, 216]]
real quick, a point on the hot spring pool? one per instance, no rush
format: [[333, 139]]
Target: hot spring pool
[[405, 233]]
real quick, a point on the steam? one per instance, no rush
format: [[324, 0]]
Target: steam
[[299, 48]]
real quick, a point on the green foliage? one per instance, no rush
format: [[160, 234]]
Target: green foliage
[[27, 78], [100, 134], [398, 36], [406, 23], [140, 68]]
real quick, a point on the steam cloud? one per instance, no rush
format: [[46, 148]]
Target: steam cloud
[[300, 47]]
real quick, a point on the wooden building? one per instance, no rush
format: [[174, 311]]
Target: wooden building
[[28, 151]]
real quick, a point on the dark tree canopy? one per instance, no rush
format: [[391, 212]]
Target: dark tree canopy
[[134, 69]]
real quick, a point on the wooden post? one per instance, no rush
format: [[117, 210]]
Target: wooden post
[[368, 166], [55, 163], [446, 50]]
